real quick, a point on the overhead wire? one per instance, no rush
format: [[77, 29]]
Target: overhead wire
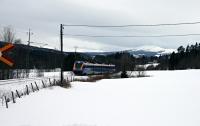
[[130, 36], [134, 25]]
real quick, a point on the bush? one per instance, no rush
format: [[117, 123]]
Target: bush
[[124, 74], [141, 72], [65, 84], [94, 78]]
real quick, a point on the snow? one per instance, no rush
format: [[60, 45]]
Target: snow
[[152, 48], [6, 86], [167, 98], [145, 66], [13, 84]]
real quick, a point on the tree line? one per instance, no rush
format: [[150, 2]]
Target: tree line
[[26, 58], [186, 58]]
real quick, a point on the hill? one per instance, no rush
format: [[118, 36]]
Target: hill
[[139, 51]]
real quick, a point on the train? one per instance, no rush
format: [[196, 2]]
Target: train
[[85, 68]]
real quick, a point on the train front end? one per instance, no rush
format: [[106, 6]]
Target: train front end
[[78, 67]]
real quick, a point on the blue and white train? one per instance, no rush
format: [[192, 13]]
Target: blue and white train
[[85, 68]]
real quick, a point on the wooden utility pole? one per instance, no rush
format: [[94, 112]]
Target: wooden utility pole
[[29, 36], [61, 49], [75, 47], [28, 53]]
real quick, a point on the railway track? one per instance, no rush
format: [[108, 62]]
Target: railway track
[[13, 81]]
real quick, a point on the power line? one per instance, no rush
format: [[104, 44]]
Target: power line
[[130, 36], [134, 25]]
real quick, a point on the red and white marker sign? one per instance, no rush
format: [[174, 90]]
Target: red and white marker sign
[[4, 59]]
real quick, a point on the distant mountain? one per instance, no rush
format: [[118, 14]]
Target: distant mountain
[[139, 51], [150, 51]]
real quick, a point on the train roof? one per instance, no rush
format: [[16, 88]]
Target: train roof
[[94, 64]]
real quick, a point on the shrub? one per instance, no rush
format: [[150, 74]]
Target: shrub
[[124, 74], [94, 78], [141, 72], [65, 84]]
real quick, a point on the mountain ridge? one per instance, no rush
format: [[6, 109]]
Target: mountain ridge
[[139, 51]]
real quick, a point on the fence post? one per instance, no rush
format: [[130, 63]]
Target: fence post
[[27, 90], [36, 86], [13, 97], [18, 94], [49, 81], [32, 87], [54, 81], [6, 101], [43, 84]]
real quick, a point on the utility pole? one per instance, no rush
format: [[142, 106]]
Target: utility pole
[[28, 53], [29, 36], [62, 55], [75, 47]]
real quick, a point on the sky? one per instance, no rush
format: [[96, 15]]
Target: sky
[[44, 17]]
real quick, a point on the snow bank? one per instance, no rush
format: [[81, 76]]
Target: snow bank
[[168, 98]]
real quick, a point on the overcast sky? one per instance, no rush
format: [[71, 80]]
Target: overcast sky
[[45, 16]]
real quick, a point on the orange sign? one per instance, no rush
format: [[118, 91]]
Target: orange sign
[[6, 49]]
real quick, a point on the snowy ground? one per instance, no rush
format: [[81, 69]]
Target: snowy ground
[[6, 86], [167, 98]]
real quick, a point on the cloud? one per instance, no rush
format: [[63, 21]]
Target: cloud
[[45, 16]]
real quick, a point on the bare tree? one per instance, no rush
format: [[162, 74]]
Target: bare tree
[[8, 34]]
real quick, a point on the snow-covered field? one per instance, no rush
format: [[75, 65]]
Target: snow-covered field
[[167, 98], [6, 86]]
